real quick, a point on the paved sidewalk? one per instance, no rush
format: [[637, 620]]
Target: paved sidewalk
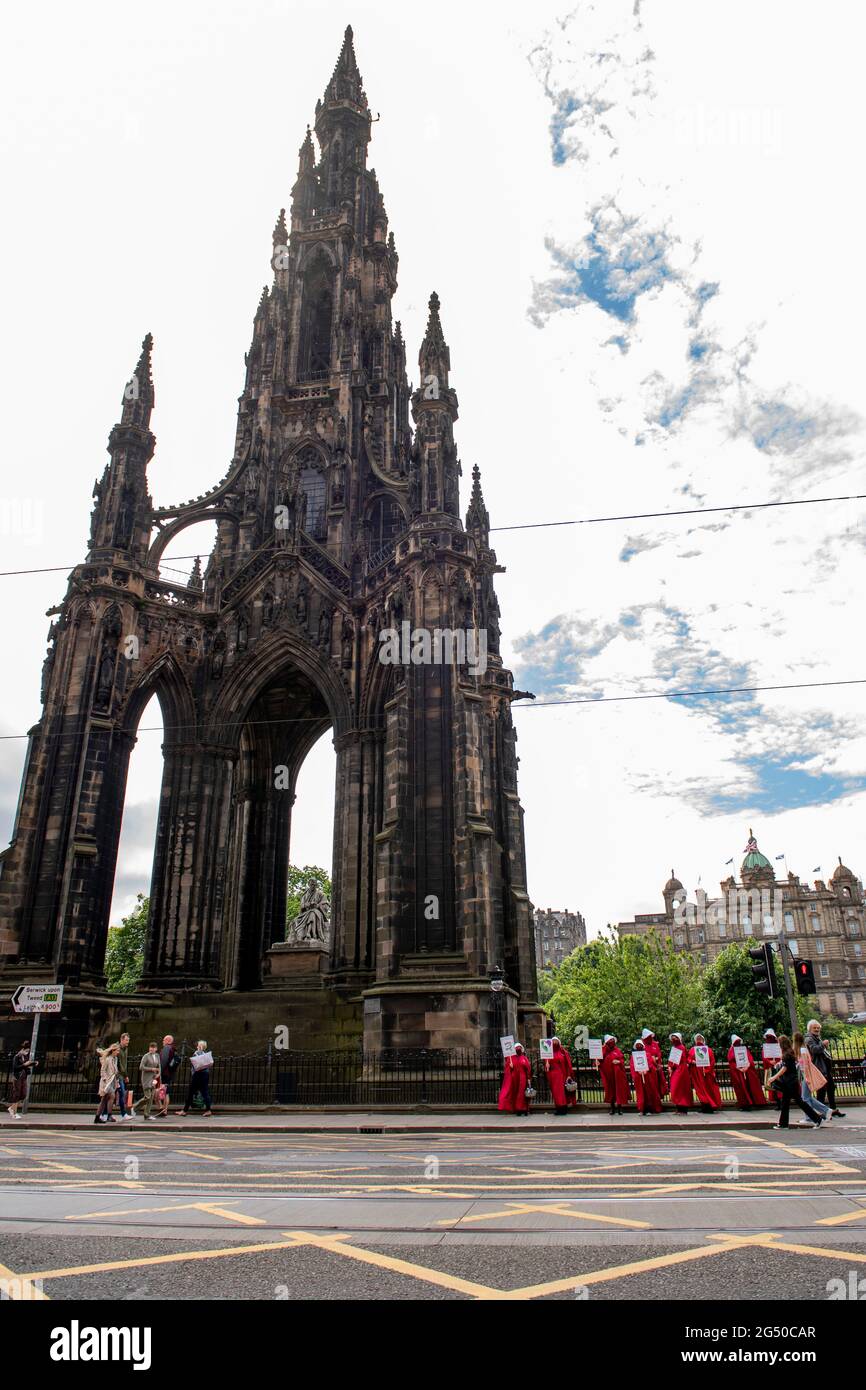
[[310, 1120]]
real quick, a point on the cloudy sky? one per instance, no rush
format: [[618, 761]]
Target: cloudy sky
[[643, 221]]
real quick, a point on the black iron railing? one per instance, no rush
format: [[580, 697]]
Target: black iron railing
[[352, 1077]]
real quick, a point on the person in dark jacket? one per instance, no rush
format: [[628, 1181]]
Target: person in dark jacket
[[168, 1065], [824, 1062], [22, 1065], [199, 1082], [786, 1080]]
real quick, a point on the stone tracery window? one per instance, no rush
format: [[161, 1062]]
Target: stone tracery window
[[385, 521], [311, 482], [317, 312]]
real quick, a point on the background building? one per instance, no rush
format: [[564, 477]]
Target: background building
[[825, 923], [557, 934]]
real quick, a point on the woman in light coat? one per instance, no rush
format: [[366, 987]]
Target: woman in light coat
[[108, 1074]]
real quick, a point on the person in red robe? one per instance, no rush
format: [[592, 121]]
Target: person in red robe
[[681, 1079], [516, 1077], [746, 1083], [613, 1075], [559, 1071], [654, 1051], [704, 1077], [646, 1083]]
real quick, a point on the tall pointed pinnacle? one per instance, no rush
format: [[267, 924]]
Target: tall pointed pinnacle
[[281, 231], [307, 154], [138, 393], [346, 83], [434, 358], [477, 518]]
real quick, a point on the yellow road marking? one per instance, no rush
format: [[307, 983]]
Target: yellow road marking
[[841, 1220], [822, 1250], [603, 1276], [521, 1209], [374, 1257], [109, 1265], [20, 1288], [208, 1207], [192, 1153]]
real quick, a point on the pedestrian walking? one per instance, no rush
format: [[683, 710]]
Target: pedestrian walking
[[811, 1079], [613, 1075], [744, 1078], [644, 1077], [107, 1082], [786, 1080], [149, 1071], [168, 1065], [654, 1050], [201, 1062], [22, 1065], [770, 1063], [560, 1079], [824, 1062], [516, 1091], [681, 1077], [702, 1066], [122, 1076]]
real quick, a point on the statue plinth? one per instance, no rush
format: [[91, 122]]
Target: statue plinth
[[295, 960]]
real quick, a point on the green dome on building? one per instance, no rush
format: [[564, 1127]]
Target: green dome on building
[[754, 860]]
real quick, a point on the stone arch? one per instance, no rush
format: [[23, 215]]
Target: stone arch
[[174, 528], [273, 654], [164, 679]]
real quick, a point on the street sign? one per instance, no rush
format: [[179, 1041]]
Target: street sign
[[38, 999]]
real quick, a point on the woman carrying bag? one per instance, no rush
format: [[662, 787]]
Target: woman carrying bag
[[516, 1091], [810, 1078], [786, 1081]]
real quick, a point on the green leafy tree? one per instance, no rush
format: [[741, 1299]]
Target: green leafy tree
[[623, 985], [731, 1004], [298, 881], [124, 956], [546, 985]]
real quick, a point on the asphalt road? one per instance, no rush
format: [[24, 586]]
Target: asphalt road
[[137, 1213]]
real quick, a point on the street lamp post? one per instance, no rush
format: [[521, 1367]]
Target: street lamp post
[[497, 985]]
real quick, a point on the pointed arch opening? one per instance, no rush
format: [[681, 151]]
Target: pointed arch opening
[[317, 315]]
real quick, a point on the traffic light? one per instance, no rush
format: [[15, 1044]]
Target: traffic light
[[804, 974], [764, 974]]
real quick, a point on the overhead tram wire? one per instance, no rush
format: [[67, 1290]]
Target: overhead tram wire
[[540, 704], [544, 525]]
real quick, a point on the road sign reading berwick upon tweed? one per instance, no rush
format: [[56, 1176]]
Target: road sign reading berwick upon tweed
[[38, 999]]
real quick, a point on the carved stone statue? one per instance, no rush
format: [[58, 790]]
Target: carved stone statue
[[301, 605], [312, 921], [325, 620], [347, 638], [218, 655]]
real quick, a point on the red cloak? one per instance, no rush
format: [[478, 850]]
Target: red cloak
[[747, 1084], [559, 1068], [612, 1071], [704, 1081], [516, 1077], [646, 1089], [654, 1052], [681, 1081]]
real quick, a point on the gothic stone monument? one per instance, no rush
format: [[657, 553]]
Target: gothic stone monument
[[335, 521]]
